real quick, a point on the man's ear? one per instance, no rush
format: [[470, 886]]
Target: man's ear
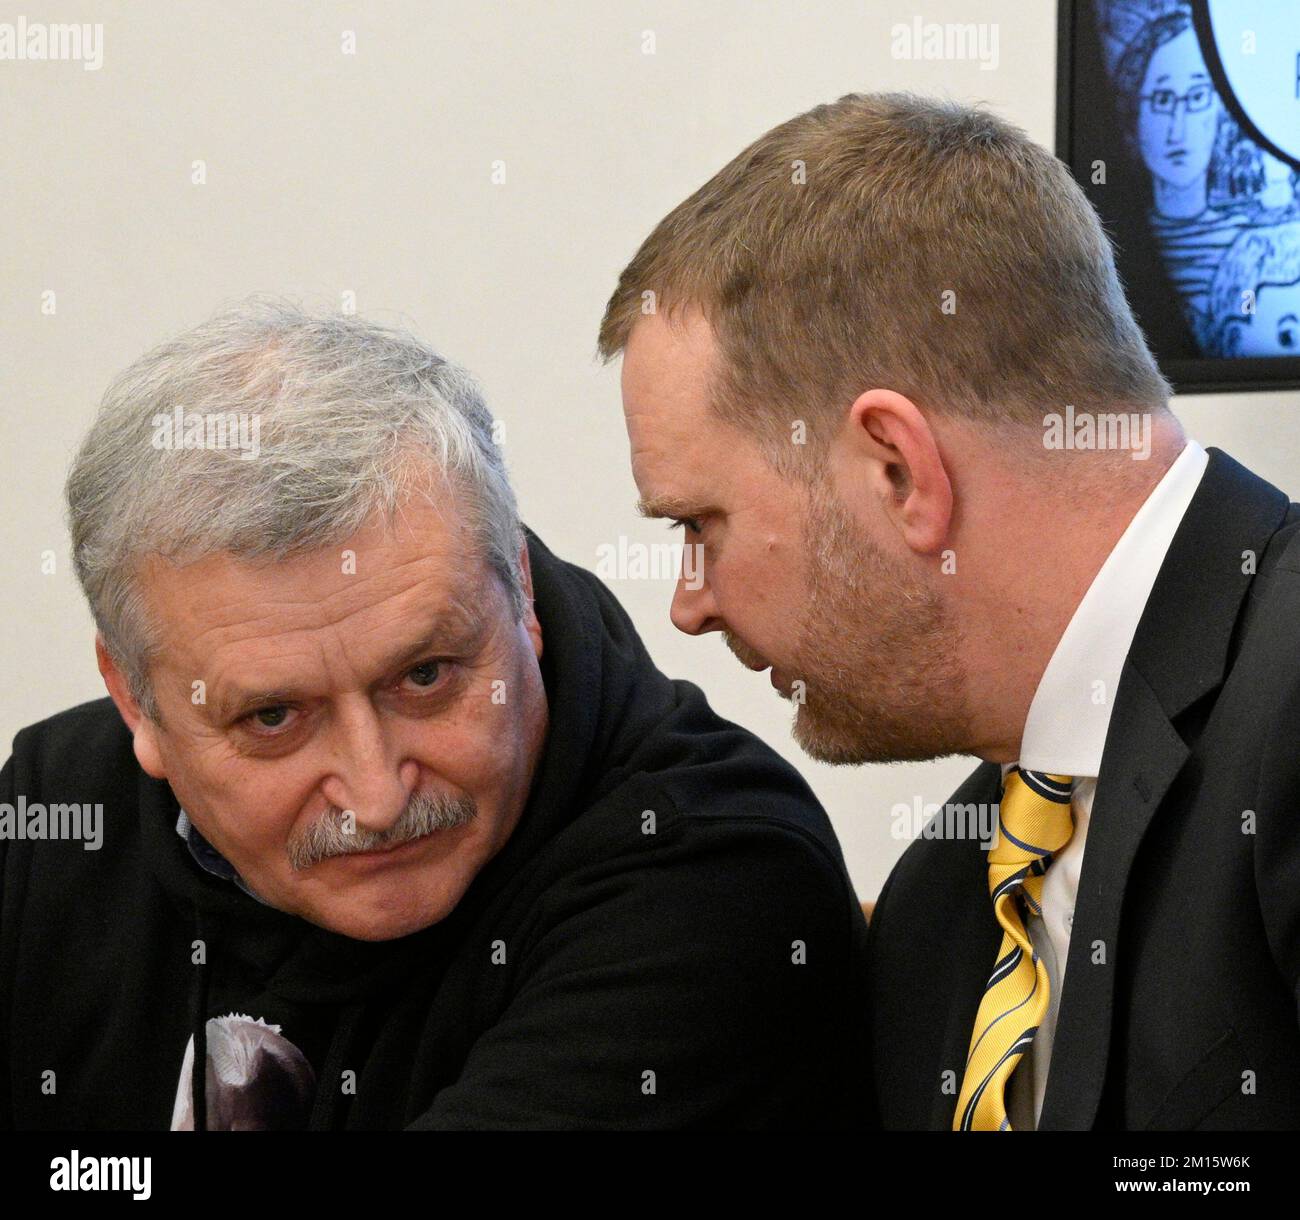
[[531, 625], [893, 456], [143, 730]]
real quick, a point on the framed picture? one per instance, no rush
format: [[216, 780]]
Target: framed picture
[[1181, 120]]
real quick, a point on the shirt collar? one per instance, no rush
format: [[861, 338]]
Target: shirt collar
[[208, 857], [1065, 731]]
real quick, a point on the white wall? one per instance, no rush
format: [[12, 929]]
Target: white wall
[[370, 173]]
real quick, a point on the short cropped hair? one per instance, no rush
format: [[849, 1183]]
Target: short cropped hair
[[887, 240], [351, 418]]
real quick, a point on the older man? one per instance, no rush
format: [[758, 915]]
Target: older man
[[881, 369], [401, 826]]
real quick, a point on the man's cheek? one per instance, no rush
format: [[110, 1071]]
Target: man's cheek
[[256, 846]]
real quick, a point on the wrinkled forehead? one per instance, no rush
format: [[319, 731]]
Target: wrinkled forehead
[[422, 561]]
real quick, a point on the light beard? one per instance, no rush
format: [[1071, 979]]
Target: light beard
[[879, 654], [326, 837], [742, 651]]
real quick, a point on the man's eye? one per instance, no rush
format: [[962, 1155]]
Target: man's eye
[[690, 523], [270, 717], [424, 674]]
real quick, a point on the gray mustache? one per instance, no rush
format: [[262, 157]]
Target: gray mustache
[[423, 815]]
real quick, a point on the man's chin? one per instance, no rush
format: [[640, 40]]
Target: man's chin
[[370, 913], [827, 746], [375, 925], [852, 745]]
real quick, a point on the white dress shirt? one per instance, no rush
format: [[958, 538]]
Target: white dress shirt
[[1065, 733]]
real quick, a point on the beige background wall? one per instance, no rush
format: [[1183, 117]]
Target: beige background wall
[[371, 173]]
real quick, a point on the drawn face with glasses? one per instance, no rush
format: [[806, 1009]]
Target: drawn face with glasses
[[1178, 116], [1165, 101]]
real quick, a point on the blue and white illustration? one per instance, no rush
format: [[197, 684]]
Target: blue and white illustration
[[1224, 206]]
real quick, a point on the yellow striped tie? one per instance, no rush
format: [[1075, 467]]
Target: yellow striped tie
[[1034, 824]]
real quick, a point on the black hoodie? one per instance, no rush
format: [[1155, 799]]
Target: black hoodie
[[594, 975]]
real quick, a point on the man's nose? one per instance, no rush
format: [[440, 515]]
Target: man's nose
[[693, 610], [369, 777]]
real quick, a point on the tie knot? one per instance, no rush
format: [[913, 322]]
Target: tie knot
[[1035, 820]]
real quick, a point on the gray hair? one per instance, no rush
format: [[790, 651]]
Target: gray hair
[[349, 418]]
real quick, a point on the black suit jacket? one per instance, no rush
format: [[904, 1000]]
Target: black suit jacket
[[1179, 1008]]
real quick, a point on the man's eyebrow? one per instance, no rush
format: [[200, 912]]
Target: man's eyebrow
[[458, 629], [669, 506]]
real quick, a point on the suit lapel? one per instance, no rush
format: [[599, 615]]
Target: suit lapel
[[1179, 654], [1143, 757]]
